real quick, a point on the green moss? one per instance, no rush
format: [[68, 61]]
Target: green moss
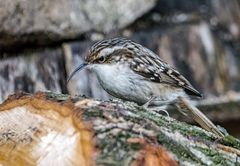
[[230, 141], [92, 113], [216, 157], [182, 152], [59, 97], [115, 150]]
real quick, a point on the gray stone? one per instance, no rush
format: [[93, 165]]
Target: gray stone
[[40, 22]]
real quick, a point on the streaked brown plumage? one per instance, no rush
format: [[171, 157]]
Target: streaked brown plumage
[[129, 71]]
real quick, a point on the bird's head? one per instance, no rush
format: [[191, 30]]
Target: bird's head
[[110, 51]]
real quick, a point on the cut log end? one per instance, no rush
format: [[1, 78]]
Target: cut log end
[[37, 131]]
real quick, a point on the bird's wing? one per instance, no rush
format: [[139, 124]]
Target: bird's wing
[[155, 70]]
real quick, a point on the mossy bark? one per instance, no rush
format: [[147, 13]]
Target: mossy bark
[[123, 133]]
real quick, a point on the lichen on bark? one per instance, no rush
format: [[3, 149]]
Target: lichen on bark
[[108, 133]]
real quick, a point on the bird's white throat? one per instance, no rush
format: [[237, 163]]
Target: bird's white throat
[[111, 74]]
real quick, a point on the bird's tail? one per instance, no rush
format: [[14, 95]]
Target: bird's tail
[[188, 109]]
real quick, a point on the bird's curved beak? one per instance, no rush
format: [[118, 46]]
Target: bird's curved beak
[[80, 67]]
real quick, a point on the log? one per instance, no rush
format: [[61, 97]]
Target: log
[[56, 129]]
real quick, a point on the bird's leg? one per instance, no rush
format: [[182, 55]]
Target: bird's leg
[[160, 107], [149, 102]]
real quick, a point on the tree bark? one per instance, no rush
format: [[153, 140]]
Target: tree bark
[[56, 129]]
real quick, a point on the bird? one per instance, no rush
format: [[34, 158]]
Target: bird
[[132, 72]]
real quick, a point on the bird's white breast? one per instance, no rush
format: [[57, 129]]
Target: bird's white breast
[[120, 81]]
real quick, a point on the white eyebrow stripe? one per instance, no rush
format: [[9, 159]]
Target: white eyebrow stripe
[[110, 50]]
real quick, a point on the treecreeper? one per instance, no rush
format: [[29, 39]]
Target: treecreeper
[[130, 71]]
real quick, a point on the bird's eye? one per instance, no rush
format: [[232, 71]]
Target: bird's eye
[[101, 59]]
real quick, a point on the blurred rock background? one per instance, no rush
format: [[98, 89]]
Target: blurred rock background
[[41, 42]]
